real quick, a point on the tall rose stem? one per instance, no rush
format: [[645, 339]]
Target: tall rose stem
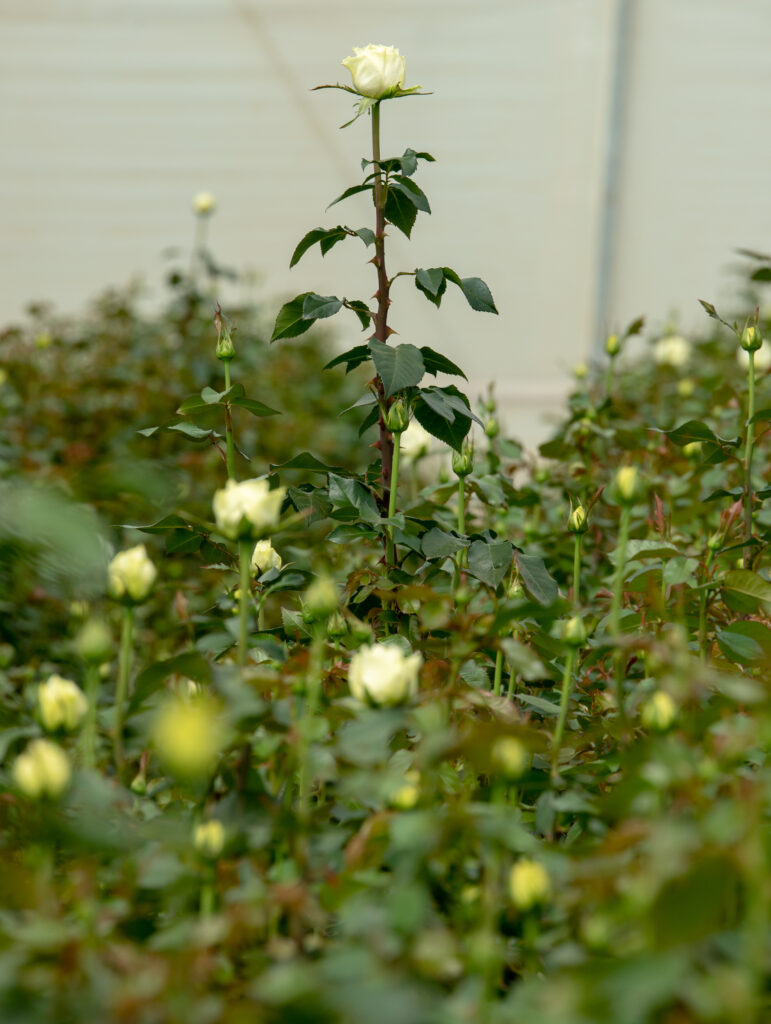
[[567, 685], [88, 739], [244, 548], [615, 611], [391, 553], [748, 446], [576, 571], [231, 455], [383, 302], [124, 672]]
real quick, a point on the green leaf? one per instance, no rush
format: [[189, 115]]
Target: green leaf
[[309, 462], [330, 236], [352, 358], [352, 191], [695, 430], [190, 664], [748, 583], [255, 408], [477, 293], [400, 212], [192, 431], [536, 578], [541, 705], [367, 235], [439, 404], [489, 561], [522, 660], [290, 322], [346, 491], [745, 642], [432, 283], [438, 544], [399, 366], [451, 433], [680, 570], [435, 362], [319, 307], [411, 191], [362, 311], [455, 399]]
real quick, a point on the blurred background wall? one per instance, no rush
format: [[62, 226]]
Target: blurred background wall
[[596, 159]]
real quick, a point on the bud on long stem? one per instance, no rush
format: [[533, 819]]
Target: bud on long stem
[[383, 302]]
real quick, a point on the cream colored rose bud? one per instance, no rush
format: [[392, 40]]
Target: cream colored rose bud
[[42, 771], [407, 795], [658, 711], [188, 735], [686, 387], [61, 704], [580, 371], [247, 509], [577, 521], [209, 838], [377, 71], [529, 884], [321, 598], [510, 757], [628, 485], [94, 642], [383, 674], [204, 203], [574, 632], [132, 575], [265, 557], [612, 345], [751, 339]]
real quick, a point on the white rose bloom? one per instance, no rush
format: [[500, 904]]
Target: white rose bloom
[[61, 704], [384, 675], [204, 203], [43, 770], [265, 557], [132, 574], [377, 71], [762, 357], [415, 442], [248, 508], [672, 351]]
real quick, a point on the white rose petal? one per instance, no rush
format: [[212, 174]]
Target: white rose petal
[[247, 509], [132, 574], [383, 674], [61, 704], [377, 71]]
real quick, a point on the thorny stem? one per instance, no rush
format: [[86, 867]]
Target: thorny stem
[[383, 302], [391, 556]]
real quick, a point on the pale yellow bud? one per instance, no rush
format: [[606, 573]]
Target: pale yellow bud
[[131, 575], [686, 387], [510, 757], [529, 884], [204, 203], [577, 522], [42, 771], [209, 838], [61, 704], [188, 735], [265, 557], [628, 485], [406, 796], [658, 711], [613, 345]]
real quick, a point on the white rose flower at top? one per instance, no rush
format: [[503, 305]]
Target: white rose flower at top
[[383, 674], [61, 704], [265, 557], [247, 509], [204, 203], [132, 574], [377, 71], [672, 351]]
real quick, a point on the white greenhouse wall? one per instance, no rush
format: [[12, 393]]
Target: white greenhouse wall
[[113, 113]]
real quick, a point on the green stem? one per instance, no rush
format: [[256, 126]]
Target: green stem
[[703, 609], [243, 600], [231, 453], [498, 672], [609, 377], [576, 571], [207, 899], [392, 499], [567, 685], [615, 612], [312, 700], [88, 738], [748, 446], [124, 672]]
